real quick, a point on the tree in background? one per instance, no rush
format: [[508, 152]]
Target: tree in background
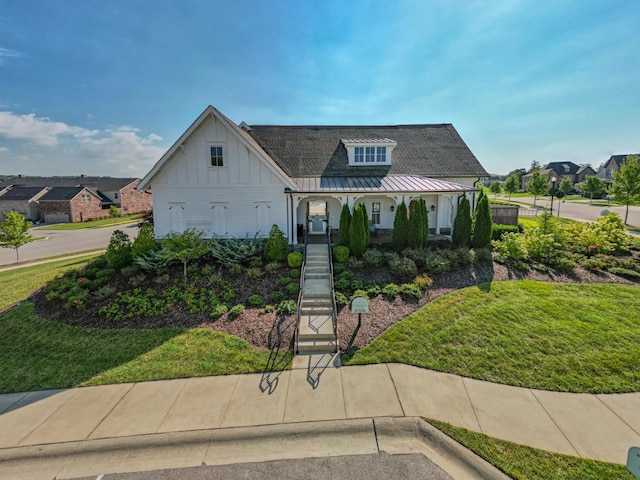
[[461, 235], [357, 233], [535, 165], [495, 187], [519, 172], [416, 235], [592, 185], [626, 183], [538, 185], [512, 184], [400, 227], [345, 224], [14, 232], [482, 223], [566, 186]]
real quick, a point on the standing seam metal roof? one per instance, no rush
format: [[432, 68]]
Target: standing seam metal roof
[[384, 184]]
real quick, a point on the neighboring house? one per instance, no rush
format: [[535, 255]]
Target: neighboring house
[[583, 172], [235, 181], [23, 200], [70, 204], [546, 172], [120, 192], [612, 165]]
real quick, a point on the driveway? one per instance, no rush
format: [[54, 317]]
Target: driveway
[[581, 210], [59, 242]]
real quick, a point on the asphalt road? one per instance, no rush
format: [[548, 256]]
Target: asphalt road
[[582, 211], [374, 467], [59, 242]]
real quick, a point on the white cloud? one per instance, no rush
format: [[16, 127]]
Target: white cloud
[[41, 146], [6, 53]]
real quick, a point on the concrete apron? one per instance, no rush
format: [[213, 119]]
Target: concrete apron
[[244, 445]]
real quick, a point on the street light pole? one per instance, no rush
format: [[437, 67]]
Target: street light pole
[[553, 192]]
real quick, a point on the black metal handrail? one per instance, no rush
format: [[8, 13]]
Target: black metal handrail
[[334, 309], [300, 293]]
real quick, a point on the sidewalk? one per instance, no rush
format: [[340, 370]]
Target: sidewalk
[[600, 427]]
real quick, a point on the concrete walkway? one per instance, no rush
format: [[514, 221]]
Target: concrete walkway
[[601, 427]]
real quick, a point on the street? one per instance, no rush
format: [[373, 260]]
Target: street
[[59, 242]]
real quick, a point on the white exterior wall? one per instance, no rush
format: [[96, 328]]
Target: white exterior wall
[[245, 188]]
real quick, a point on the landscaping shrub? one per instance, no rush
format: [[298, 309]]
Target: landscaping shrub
[[104, 292], [510, 248], [184, 247], [373, 290], [400, 227], [218, 310], [355, 263], [287, 307], [129, 270], [342, 285], [145, 242], [118, 254], [497, 230], [410, 290], [340, 254], [481, 237], [345, 225], [295, 273], [292, 289], [236, 269], [341, 299], [403, 267], [236, 310], [255, 300], [152, 260], [360, 293], [276, 248], [356, 285], [277, 297], [284, 281], [391, 290], [390, 257], [294, 259], [605, 235], [357, 232], [235, 251], [417, 234], [338, 268], [253, 273], [137, 280], [272, 267], [482, 255], [373, 257], [563, 263], [423, 282], [461, 235], [460, 257], [435, 263], [625, 272]]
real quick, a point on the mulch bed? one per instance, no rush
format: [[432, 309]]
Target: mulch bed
[[271, 331]]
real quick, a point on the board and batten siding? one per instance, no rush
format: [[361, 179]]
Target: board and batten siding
[[240, 199]]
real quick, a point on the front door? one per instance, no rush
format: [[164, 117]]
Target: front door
[[317, 217]]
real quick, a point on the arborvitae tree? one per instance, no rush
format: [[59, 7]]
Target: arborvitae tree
[[400, 227], [357, 234], [482, 223], [345, 224], [425, 218], [461, 235], [415, 238], [365, 219]]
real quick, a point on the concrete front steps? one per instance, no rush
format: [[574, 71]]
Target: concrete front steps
[[315, 331]]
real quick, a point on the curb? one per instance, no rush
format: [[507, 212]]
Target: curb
[[238, 445]]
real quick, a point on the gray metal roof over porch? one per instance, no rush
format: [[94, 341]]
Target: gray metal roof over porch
[[383, 184]]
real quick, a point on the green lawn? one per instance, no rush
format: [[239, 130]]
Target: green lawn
[[564, 337], [37, 354], [103, 223], [526, 463], [17, 284], [529, 222]]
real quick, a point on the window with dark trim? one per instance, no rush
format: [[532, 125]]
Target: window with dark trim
[[217, 159], [375, 213]]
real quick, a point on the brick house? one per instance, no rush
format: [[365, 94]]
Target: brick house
[[103, 192], [23, 200], [71, 204]]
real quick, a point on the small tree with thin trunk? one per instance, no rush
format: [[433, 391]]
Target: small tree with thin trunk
[[14, 232], [592, 185], [538, 185], [566, 186], [345, 224], [183, 247], [400, 227], [461, 235], [495, 187], [512, 184], [482, 223], [626, 183]]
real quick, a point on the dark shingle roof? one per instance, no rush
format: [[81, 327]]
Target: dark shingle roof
[[61, 193], [563, 168], [312, 151], [21, 193], [619, 159], [96, 183]]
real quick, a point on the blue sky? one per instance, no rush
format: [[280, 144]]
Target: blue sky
[[105, 87]]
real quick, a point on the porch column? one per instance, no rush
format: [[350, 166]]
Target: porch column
[[437, 214]]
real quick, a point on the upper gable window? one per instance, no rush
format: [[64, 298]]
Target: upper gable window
[[217, 156], [369, 152]]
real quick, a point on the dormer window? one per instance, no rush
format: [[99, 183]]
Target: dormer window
[[369, 152]]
